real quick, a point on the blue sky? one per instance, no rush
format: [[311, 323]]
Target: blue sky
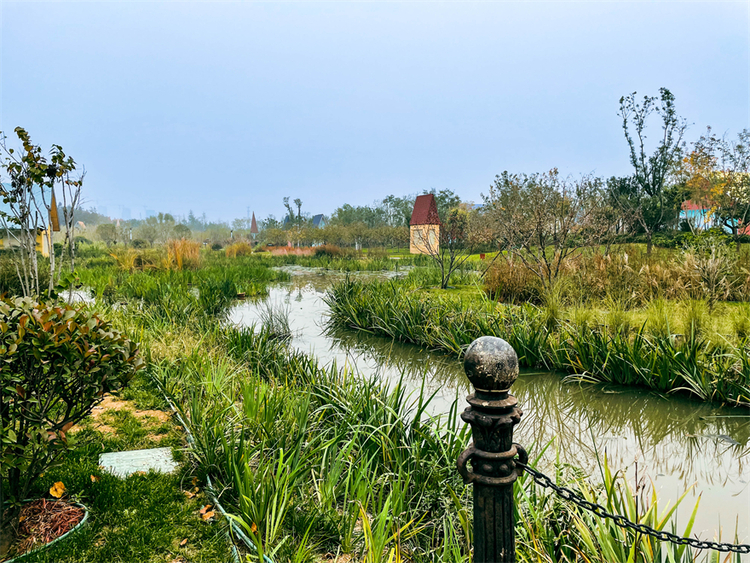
[[218, 107]]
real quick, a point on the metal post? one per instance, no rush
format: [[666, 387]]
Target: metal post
[[491, 365]]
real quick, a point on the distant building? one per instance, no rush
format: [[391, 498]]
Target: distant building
[[253, 227], [9, 237], [424, 226], [702, 218], [319, 221]]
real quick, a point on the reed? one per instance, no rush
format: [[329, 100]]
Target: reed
[[694, 364], [315, 460]]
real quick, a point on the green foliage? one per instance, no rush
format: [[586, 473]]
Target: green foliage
[[56, 364], [616, 353]]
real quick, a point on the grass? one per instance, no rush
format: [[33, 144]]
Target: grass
[[144, 517], [613, 349], [315, 464]]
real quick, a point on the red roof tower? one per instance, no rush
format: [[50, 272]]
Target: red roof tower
[[254, 225], [425, 211]]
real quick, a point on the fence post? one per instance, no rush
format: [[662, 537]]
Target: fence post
[[491, 365]]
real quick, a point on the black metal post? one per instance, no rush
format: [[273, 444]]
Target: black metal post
[[491, 365]]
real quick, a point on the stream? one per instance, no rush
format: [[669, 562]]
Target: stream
[[674, 443]]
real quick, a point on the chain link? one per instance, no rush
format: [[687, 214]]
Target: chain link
[[542, 480]]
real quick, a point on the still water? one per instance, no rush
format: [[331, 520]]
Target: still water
[[672, 443]]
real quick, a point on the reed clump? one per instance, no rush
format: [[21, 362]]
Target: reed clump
[[239, 248], [694, 363], [312, 461], [184, 254]]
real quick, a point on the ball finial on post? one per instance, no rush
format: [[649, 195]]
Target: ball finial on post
[[491, 364]]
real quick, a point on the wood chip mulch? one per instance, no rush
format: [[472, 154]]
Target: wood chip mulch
[[44, 520]]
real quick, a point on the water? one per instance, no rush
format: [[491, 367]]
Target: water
[[674, 443]]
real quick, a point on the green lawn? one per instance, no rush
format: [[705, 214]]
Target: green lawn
[[146, 517]]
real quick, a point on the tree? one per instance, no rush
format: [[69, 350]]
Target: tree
[[648, 204], [543, 219], [270, 222], [107, 232], [298, 203], [456, 244], [31, 197], [718, 179], [181, 231], [147, 232], [289, 212], [445, 200]]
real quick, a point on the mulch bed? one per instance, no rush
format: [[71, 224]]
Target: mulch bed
[[42, 521]]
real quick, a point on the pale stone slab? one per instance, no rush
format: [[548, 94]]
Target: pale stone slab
[[123, 464]]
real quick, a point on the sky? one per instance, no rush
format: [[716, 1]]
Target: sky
[[227, 107]]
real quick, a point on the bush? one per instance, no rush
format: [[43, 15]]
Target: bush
[[511, 282], [139, 243], [377, 253], [239, 248], [56, 363], [216, 246], [329, 250]]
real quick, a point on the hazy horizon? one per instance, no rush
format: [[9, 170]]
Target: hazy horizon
[[221, 107]]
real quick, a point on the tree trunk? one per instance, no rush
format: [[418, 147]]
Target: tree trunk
[[650, 242]]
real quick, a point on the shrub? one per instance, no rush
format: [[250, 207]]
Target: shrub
[[184, 254], [377, 253], [329, 250], [216, 246], [139, 243], [511, 282], [56, 363], [239, 248]]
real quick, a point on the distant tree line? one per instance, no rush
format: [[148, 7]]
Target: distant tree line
[[542, 217]]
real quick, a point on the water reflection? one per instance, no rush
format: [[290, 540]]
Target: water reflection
[[675, 442]]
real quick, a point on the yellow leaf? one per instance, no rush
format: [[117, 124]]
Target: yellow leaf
[[253, 528], [57, 490], [208, 515], [183, 543], [205, 509], [94, 479]]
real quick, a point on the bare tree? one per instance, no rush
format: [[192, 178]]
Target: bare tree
[[544, 219], [455, 243]]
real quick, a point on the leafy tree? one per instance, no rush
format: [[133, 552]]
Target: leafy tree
[[397, 210], [107, 232], [37, 185], [649, 203], [289, 212], [298, 203], [543, 219], [718, 177], [270, 222], [181, 231], [445, 200], [194, 223], [147, 232]]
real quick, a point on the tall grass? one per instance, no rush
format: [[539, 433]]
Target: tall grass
[[316, 463], [691, 364]]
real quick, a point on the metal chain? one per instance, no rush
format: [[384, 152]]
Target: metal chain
[[567, 494]]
